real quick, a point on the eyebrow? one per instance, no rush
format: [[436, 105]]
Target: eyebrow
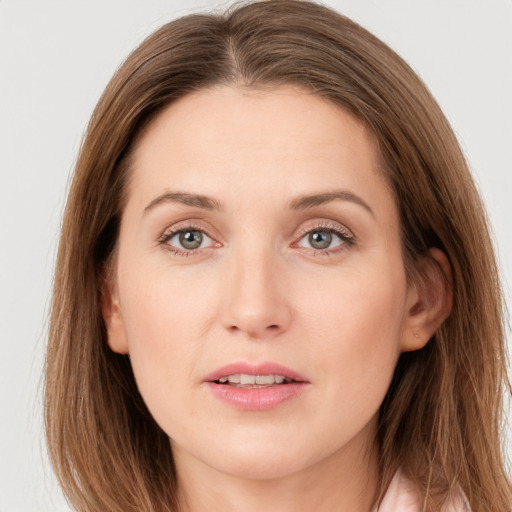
[[300, 203], [310, 201], [197, 200]]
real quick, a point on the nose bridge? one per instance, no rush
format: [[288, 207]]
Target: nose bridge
[[255, 303]]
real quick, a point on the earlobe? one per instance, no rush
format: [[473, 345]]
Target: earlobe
[[429, 302], [112, 316]]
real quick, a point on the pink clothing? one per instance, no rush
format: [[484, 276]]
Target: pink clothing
[[403, 496]]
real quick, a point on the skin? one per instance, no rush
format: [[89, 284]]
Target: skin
[[258, 290]]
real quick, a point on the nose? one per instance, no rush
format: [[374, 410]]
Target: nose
[[255, 297]]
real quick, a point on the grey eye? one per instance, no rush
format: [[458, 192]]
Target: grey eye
[[190, 239], [320, 239], [187, 240]]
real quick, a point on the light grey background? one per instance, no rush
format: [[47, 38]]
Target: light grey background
[[55, 59]]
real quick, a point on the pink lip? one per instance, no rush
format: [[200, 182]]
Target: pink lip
[[256, 399]]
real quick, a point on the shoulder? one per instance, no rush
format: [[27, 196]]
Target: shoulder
[[403, 496]]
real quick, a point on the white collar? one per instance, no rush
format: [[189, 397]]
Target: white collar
[[404, 496]]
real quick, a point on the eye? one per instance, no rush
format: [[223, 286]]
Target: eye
[[326, 239], [186, 241], [189, 239], [321, 239]]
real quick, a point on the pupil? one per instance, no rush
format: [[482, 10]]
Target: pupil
[[191, 239], [320, 239]]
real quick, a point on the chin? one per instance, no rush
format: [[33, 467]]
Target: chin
[[275, 456], [261, 467]]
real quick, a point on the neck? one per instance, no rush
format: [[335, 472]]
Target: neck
[[343, 481]]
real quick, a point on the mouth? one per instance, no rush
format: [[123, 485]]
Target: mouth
[[260, 387], [247, 375], [248, 381]]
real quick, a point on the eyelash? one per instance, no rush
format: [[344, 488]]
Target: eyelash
[[346, 236]]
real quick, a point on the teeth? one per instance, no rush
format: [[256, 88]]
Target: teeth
[[265, 379], [248, 380]]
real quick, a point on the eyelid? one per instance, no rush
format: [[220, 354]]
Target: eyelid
[[192, 224], [326, 225]]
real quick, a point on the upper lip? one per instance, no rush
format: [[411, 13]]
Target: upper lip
[[266, 368]]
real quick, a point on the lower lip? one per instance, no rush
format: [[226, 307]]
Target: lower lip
[[257, 399]]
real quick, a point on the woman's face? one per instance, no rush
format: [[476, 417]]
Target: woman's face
[[259, 286]]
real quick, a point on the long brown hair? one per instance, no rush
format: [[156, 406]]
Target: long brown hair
[[441, 419]]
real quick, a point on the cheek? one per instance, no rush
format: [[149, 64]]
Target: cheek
[[165, 317], [355, 321], [363, 305], [162, 306]]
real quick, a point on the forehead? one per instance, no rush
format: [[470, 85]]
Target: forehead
[[227, 137]]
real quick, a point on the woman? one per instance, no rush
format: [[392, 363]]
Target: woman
[[275, 285]]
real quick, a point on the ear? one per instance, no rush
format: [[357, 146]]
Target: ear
[[112, 316], [429, 300]]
